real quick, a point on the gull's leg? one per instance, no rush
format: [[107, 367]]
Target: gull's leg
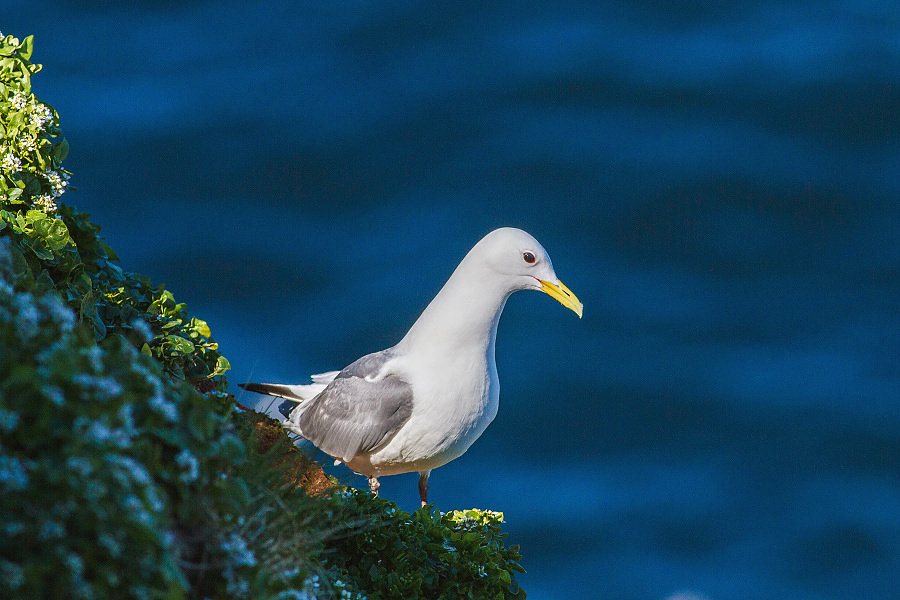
[[423, 486], [374, 485]]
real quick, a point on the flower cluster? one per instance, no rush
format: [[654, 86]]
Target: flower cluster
[[10, 163], [58, 181], [30, 160]]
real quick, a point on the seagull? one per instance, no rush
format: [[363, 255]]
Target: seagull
[[423, 402]]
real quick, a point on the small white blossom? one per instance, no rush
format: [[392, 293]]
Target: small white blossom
[[154, 500], [58, 180], [41, 115], [11, 575], [79, 465], [9, 420], [236, 547], [19, 100], [189, 465], [139, 514], [143, 330], [14, 528], [98, 432], [54, 394], [237, 588], [28, 143], [104, 388], [95, 356], [11, 163], [75, 564], [135, 469], [13, 473], [293, 595], [111, 544], [164, 407], [168, 538], [139, 592], [51, 530], [29, 316], [126, 416], [59, 313], [46, 203]]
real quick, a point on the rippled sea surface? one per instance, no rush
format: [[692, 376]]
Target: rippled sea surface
[[717, 181]]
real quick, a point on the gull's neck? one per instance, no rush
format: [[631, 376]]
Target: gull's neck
[[463, 316]]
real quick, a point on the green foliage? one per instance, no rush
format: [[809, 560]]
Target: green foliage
[[65, 251], [118, 479], [393, 554], [63, 248], [113, 476]]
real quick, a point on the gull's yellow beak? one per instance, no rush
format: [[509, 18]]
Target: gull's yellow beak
[[563, 294]]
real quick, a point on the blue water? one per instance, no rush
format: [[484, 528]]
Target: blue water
[[717, 181]]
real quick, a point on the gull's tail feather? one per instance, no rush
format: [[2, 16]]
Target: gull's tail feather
[[325, 378], [288, 392], [293, 394]]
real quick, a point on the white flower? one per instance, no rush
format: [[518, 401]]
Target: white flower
[[13, 473], [111, 544], [154, 500], [104, 387], [293, 595], [98, 432], [143, 330], [139, 592], [168, 538], [19, 100], [59, 312], [139, 514], [164, 407], [45, 203], [54, 394], [8, 420], [14, 528], [75, 564], [58, 181], [11, 163], [41, 115], [79, 465], [12, 575], [95, 356], [126, 415], [28, 143], [236, 547], [27, 322], [51, 530], [189, 465]]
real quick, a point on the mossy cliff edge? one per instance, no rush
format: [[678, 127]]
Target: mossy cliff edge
[[127, 470]]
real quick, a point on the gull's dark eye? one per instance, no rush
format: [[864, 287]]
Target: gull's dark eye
[[528, 257]]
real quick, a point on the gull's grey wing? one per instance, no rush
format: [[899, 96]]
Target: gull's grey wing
[[354, 415]]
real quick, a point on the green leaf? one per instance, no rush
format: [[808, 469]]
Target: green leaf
[[89, 314], [27, 47], [59, 152], [222, 365], [201, 327], [179, 345]]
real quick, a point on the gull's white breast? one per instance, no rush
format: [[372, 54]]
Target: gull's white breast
[[455, 399]]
